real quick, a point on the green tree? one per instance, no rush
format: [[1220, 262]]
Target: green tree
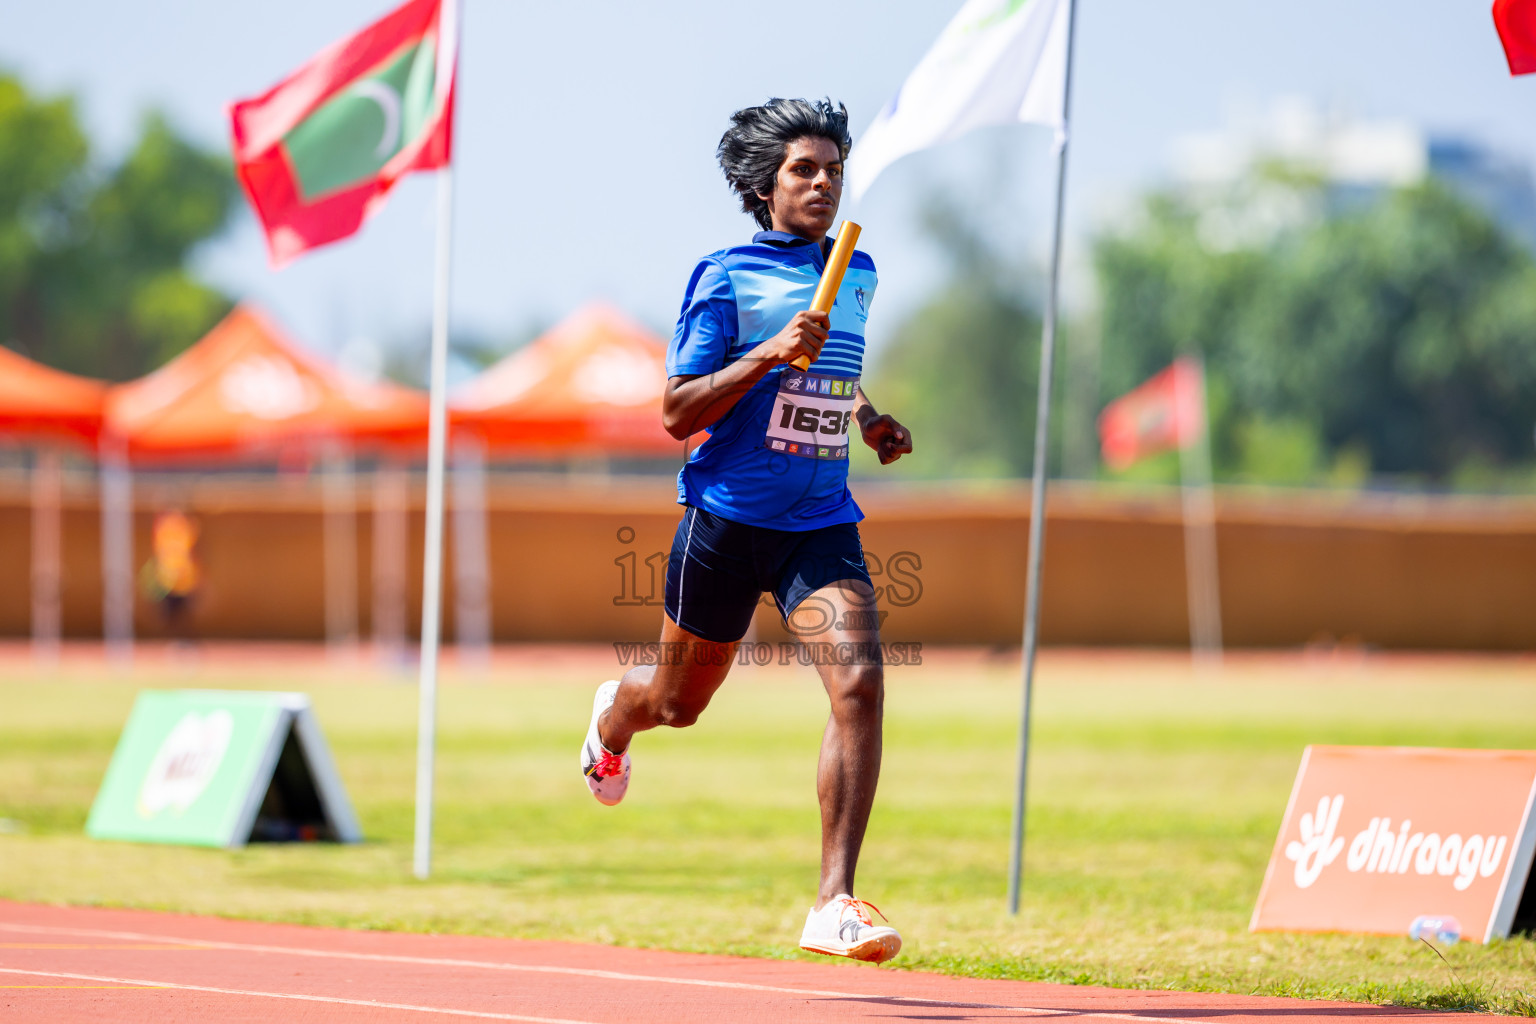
[[961, 372], [1398, 338], [42, 159], [1403, 332], [93, 261]]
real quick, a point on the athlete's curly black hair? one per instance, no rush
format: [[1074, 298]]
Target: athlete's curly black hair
[[752, 149]]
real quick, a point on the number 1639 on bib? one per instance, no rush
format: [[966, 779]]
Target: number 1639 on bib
[[810, 415]]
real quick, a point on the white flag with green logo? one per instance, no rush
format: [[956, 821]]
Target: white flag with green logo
[[996, 62]]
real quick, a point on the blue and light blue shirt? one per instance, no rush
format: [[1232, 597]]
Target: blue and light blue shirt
[[738, 298]]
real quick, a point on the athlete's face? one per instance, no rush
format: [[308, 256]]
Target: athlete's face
[[808, 188]]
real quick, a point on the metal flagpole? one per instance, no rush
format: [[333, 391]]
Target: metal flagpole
[[339, 530], [471, 569], [389, 513], [116, 550], [47, 513], [1201, 581], [432, 570], [1037, 488]]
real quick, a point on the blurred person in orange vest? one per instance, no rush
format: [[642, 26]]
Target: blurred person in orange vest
[[171, 576]]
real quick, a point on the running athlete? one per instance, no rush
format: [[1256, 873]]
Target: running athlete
[[766, 498]]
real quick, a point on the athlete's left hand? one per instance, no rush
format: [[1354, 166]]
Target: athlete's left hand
[[889, 439]]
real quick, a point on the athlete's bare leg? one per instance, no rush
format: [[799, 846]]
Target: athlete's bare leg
[[844, 616], [673, 693]]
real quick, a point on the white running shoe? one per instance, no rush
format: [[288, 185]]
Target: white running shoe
[[844, 928], [607, 773]]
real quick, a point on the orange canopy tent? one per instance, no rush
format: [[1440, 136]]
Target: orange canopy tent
[[591, 385], [246, 389], [36, 400]]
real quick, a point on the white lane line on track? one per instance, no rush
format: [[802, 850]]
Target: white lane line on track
[[370, 1003], [592, 972], [587, 972]]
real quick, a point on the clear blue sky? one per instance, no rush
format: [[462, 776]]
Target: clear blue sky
[[586, 131]]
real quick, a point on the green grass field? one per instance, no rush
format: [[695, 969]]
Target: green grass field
[[1154, 802]]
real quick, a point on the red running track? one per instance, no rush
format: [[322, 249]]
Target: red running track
[[85, 964]]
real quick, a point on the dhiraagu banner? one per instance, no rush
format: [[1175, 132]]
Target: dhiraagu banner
[[1394, 840], [196, 767]]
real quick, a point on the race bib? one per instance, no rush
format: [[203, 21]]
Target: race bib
[[810, 415]]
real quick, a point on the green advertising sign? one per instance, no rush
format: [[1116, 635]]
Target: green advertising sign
[[221, 768]]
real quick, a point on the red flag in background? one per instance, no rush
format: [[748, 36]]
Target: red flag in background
[[1166, 412], [320, 151], [1516, 22]]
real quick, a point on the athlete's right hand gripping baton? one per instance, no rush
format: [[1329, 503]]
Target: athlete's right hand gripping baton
[[832, 277]]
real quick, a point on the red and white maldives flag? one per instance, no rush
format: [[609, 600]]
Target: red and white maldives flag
[[1165, 413], [318, 152]]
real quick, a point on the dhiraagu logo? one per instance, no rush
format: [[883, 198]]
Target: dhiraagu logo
[[186, 762], [1379, 848], [1318, 847], [352, 135]]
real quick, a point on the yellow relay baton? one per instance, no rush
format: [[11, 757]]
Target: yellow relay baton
[[832, 277]]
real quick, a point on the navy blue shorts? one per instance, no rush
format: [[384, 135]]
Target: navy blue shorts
[[719, 570]]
